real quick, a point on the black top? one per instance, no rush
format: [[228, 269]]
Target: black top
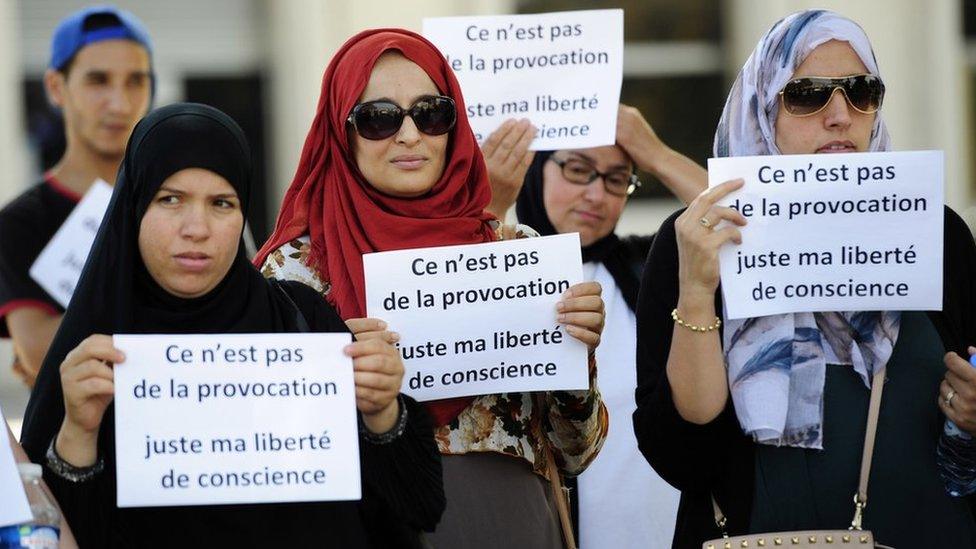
[[402, 484], [717, 458], [802, 489], [402, 492], [27, 223]]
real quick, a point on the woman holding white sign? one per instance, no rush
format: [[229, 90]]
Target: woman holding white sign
[[169, 258], [706, 419], [389, 165]]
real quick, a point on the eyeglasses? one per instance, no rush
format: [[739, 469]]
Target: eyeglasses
[[432, 114], [578, 172], [810, 95]]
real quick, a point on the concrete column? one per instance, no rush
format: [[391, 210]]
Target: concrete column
[[14, 159], [13, 154], [920, 49]]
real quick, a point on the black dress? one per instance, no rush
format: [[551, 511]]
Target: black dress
[[762, 488], [402, 483], [402, 492], [801, 489]]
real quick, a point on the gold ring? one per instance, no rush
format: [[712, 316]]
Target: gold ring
[[948, 398], [705, 223]]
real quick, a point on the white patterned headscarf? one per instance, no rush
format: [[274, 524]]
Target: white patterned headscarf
[[777, 364]]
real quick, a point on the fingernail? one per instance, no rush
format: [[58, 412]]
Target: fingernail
[[382, 325], [561, 318], [560, 306], [394, 336]]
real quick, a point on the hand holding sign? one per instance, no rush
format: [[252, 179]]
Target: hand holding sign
[[378, 374], [87, 380], [279, 417], [699, 242], [582, 312], [364, 329], [832, 232], [494, 307], [957, 392]]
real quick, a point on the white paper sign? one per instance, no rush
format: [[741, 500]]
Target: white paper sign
[[58, 267], [834, 232], [480, 319], [560, 70], [14, 508], [240, 418]]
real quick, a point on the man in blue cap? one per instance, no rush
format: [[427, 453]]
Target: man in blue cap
[[100, 77]]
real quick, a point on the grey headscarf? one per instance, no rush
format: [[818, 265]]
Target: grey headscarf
[[776, 364]]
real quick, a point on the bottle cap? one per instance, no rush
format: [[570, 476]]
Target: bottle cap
[[30, 470]]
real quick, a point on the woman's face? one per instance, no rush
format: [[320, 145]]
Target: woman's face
[[189, 235], [587, 209], [409, 163], [837, 128]]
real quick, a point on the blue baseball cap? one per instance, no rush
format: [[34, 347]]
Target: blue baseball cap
[[75, 32]]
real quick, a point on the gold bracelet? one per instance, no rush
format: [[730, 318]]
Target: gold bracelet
[[677, 319]]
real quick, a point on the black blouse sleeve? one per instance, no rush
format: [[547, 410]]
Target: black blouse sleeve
[[89, 507], [689, 456], [405, 473], [956, 323]]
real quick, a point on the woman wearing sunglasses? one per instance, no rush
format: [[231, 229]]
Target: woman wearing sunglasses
[[619, 501], [389, 164], [704, 385]]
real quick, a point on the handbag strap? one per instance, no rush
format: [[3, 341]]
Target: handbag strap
[[861, 497], [559, 492], [874, 409], [560, 495]]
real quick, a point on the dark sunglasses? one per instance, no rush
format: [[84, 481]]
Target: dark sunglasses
[[432, 114], [810, 95], [578, 172]]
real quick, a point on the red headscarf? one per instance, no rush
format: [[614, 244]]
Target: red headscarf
[[346, 217]]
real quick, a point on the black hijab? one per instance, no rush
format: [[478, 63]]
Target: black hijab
[[116, 294], [622, 257]]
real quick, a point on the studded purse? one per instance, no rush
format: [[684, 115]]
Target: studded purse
[[853, 537]]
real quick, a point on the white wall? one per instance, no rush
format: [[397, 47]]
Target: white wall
[[13, 158]]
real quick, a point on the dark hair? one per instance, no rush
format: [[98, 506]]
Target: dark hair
[[93, 22]]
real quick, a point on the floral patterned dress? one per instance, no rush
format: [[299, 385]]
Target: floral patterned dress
[[572, 423]]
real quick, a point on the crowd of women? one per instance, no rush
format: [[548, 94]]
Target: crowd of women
[[389, 164]]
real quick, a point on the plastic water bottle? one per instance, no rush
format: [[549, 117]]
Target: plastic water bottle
[[957, 457], [44, 530]]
